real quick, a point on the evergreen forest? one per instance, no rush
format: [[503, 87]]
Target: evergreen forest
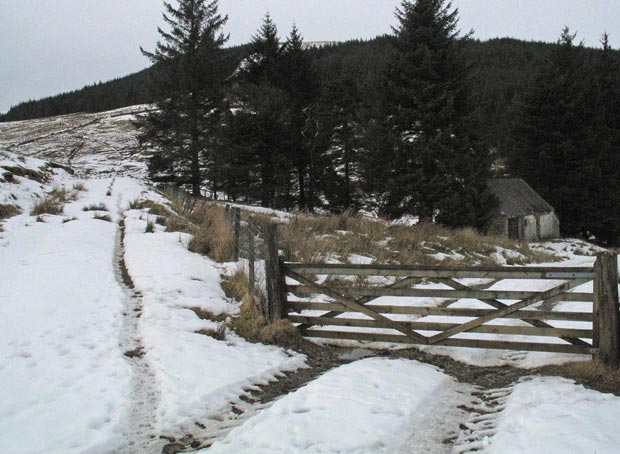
[[411, 123]]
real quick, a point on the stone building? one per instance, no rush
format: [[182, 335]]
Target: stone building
[[522, 213]]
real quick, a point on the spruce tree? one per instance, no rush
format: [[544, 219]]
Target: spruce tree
[[257, 133], [604, 225], [425, 157], [188, 87], [298, 79], [554, 140]]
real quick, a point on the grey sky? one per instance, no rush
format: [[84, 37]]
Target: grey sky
[[50, 46]]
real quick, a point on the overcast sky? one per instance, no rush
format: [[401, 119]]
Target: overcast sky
[[50, 46]]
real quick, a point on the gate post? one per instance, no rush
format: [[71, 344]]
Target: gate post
[[236, 233], [274, 276], [606, 320], [251, 255]]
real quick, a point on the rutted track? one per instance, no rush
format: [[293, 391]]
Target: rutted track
[[140, 430]]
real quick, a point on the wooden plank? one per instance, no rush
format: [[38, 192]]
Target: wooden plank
[[275, 301], [507, 310], [471, 343], [365, 300], [236, 234], [251, 260], [499, 305], [608, 319], [377, 292], [441, 311], [430, 326], [558, 273], [356, 307]]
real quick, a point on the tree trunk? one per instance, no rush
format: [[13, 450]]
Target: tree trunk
[[302, 189]]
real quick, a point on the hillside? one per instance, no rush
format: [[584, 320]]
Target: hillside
[[503, 68], [95, 144], [120, 339]]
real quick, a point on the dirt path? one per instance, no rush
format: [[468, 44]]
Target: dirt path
[[140, 430]]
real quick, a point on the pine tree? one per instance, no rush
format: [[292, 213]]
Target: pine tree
[[189, 91], [604, 224], [299, 81], [425, 158], [555, 147], [257, 133]]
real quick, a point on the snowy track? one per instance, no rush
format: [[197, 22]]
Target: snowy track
[[140, 433]]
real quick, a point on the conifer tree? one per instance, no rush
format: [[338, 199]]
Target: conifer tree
[[299, 80], [189, 91], [555, 147], [425, 157], [256, 134], [604, 224]]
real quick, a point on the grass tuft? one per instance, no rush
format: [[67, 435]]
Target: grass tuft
[[47, 205], [212, 236], [95, 207], [178, 224], [218, 334], [26, 173], [150, 226], [79, 186], [7, 211], [103, 217]]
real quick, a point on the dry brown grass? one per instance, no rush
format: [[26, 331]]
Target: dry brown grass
[[218, 334], [251, 322], [47, 205], [26, 173], [7, 211], [178, 224], [236, 286], [154, 208], [95, 207], [213, 235], [103, 217], [592, 374], [150, 226], [79, 186], [314, 238]]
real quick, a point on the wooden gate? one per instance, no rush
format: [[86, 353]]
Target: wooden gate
[[346, 302]]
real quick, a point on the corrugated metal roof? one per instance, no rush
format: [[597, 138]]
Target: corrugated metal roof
[[517, 198]]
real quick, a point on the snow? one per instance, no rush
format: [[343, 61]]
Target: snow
[[64, 383], [553, 415], [197, 375], [370, 406], [67, 319]]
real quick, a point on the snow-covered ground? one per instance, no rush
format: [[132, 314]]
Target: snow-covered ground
[[372, 406], [555, 416], [98, 144], [93, 363], [68, 320]]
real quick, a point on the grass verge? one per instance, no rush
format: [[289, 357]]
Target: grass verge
[[591, 374]]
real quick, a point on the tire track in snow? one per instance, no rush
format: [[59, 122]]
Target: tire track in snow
[[482, 422], [139, 432]]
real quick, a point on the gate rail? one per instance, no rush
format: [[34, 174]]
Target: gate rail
[[343, 294]]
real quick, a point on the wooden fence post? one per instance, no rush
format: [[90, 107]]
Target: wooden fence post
[[606, 324], [273, 274], [251, 255], [236, 234]]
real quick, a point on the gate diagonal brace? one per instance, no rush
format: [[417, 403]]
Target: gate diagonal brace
[[555, 291], [364, 300], [356, 307], [499, 305]]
